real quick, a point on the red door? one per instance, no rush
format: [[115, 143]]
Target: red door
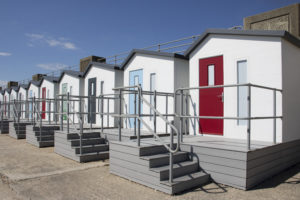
[[211, 100], [43, 102]]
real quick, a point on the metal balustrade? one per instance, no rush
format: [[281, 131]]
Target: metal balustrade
[[181, 115]]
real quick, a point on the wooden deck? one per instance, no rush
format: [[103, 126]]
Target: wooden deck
[[229, 161]]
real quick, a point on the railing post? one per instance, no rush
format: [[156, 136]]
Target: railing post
[[120, 113], [249, 119], [139, 119], [90, 111], [40, 115], [14, 111], [81, 124], [33, 107], [186, 113], [55, 109], [134, 113], [274, 115], [181, 114], [107, 112], [49, 111], [171, 155], [167, 105], [68, 112], [62, 113], [154, 118], [102, 116]]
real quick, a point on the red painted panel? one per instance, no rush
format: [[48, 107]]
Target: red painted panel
[[5, 105], [211, 99], [43, 103]]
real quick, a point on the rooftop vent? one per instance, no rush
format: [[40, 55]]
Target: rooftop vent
[[85, 61], [38, 77]]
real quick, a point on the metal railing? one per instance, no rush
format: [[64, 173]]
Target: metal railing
[[137, 90], [181, 115]]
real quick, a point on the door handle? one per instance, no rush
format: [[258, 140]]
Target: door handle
[[222, 96]]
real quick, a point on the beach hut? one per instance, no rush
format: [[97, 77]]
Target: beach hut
[[101, 78], [154, 71]]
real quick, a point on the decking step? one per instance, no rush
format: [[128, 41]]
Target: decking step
[[92, 148], [179, 169], [158, 160], [95, 156], [72, 136], [87, 141], [189, 181]]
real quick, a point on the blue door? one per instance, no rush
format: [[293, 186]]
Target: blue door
[[135, 78]]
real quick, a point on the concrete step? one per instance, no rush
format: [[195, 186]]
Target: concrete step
[[84, 135], [188, 181]]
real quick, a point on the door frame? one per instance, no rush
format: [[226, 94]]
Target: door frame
[[199, 128], [141, 80]]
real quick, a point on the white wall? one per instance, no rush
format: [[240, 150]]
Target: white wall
[[24, 107], [6, 99], [263, 55], [291, 95], [77, 90], [108, 76], [164, 69]]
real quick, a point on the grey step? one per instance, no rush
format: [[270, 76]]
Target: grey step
[[87, 157], [92, 148], [45, 138], [164, 159], [152, 150], [84, 135], [179, 169], [46, 128], [46, 133], [87, 141], [186, 182]]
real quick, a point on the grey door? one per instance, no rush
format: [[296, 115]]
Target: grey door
[[92, 100]]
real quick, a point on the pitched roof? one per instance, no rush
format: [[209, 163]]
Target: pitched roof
[[36, 83], [269, 33], [100, 65], [53, 79], [76, 74], [25, 86], [154, 53], [15, 88]]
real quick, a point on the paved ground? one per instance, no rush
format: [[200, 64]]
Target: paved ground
[[31, 173]]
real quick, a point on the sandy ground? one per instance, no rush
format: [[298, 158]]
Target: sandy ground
[[31, 173]]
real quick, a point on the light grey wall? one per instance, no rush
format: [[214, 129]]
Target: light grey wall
[[291, 94]]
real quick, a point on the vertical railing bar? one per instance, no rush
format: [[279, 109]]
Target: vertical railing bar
[[274, 115], [186, 113], [167, 105], [139, 117], [120, 113], [68, 112], [80, 124], [249, 120], [107, 112], [154, 119], [135, 119], [181, 114], [62, 113], [49, 111]]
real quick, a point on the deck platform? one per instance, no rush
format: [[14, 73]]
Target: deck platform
[[228, 161]]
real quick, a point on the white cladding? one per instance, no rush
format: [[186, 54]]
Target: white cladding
[[270, 60], [51, 92], [34, 90], [75, 87], [111, 78], [171, 73], [23, 96]]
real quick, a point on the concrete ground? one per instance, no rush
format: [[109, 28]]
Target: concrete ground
[[31, 173]]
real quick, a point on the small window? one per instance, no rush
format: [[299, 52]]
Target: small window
[[242, 92], [211, 75], [92, 89], [152, 89]]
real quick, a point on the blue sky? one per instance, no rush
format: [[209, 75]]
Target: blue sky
[[37, 36]]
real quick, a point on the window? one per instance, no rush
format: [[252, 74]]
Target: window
[[211, 75], [152, 89], [71, 90], [92, 89], [101, 87], [242, 92]]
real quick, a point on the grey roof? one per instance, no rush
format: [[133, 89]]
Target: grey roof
[[155, 53], [270, 33], [36, 83], [25, 86], [53, 79], [2, 92], [73, 73], [7, 90], [100, 65], [15, 88]]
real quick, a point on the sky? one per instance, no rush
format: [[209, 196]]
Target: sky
[[39, 36]]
